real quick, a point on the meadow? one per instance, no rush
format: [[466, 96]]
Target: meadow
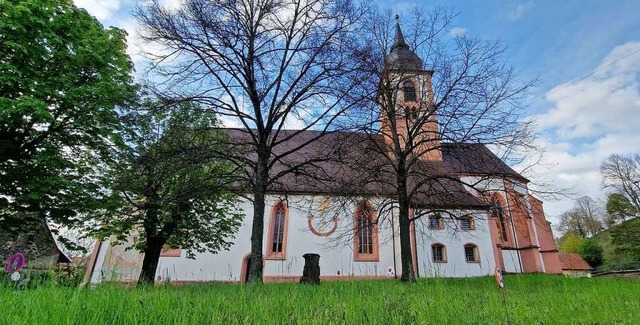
[[526, 299]]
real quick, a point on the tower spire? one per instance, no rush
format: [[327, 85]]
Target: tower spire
[[398, 38], [401, 57]]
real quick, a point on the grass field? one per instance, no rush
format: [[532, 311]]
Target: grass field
[[530, 299]]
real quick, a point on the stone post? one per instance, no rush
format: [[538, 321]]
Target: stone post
[[311, 271]]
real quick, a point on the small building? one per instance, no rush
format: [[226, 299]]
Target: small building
[[37, 245], [574, 265]]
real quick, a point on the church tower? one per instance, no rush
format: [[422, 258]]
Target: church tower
[[407, 87]]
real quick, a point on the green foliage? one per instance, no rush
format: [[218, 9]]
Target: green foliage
[[65, 276], [170, 186], [529, 299], [619, 207], [624, 251], [570, 242], [626, 240], [61, 77], [591, 252]]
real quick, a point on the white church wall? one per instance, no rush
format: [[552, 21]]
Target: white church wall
[[223, 266], [511, 261], [336, 251], [454, 239]]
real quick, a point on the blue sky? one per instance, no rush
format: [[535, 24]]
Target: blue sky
[[586, 53]]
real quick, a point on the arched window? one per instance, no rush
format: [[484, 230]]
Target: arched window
[[277, 244], [438, 253], [498, 213], [471, 253], [366, 233], [409, 91]]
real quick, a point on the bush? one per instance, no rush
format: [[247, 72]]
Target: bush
[[591, 252], [32, 278], [569, 243]]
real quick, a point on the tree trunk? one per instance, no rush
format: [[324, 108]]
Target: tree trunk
[[257, 230], [150, 261], [406, 258]]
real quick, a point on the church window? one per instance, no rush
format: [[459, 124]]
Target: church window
[[366, 233], [498, 213], [409, 91], [439, 253], [277, 244], [471, 253], [436, 222], [466, 223]]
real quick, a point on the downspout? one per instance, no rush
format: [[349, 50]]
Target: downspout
[[513, 227], [415, 244], [393, 240]]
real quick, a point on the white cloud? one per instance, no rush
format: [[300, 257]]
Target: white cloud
[[170, 4], [591, 119], [458, 32], [516, 11], [101, 9], [607, 101]]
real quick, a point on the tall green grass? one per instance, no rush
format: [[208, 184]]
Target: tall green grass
[[530, 299]]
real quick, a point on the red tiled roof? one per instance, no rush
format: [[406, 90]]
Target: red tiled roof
[[573, 261], [333, 161]]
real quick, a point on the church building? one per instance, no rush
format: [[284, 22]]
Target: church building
[[463, 231]]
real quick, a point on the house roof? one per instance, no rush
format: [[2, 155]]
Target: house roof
[[347, 163], [573, 261]]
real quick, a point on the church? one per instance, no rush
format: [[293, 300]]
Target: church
[[461, 231]]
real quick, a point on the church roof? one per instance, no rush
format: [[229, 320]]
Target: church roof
[[476, 158], [401, 57], [343, 163]]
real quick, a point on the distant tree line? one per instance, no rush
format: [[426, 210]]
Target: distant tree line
[[580, 226]]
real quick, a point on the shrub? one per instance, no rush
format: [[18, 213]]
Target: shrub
[[569, 243], [591, 252], [32, 278]]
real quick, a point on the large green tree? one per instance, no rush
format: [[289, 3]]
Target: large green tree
[[619, 208], [170, 188], [626, 240], [62, 75]]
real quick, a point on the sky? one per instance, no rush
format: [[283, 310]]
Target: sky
[[586, 54]]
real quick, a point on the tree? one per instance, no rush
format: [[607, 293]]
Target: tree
[[467, 96], [262, 64], [61, 77], [583, 219], [591, 252], [619, 208], [622, 174], [626, 240], [569, 243], [170, 188]]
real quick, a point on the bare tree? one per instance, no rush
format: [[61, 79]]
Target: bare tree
[[584, 219], [463, 98], [622, 174], [265, 65]]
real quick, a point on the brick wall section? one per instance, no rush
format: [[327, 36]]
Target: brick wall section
[[548, 247]]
